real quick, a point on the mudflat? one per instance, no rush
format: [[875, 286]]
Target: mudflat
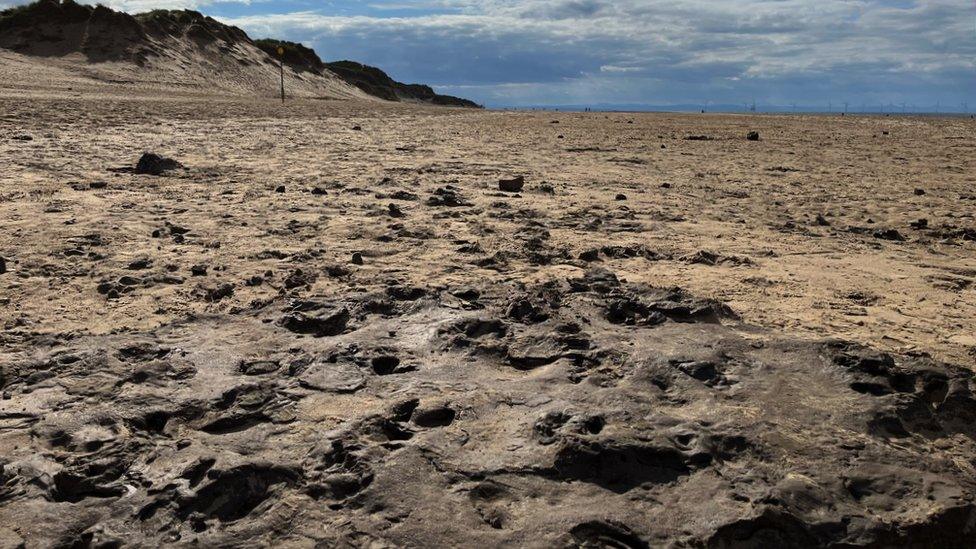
[[330, 310]]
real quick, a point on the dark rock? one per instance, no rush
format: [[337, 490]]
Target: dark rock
[[153, 164], [753, 136], [139, 264], [621, 197], [357, 259], [198, 270], [921, 224], [590, 255], [321, 325], [259, 367], [219, 293], [889, 234], [3, 265], [919, 192], [448, 197], [280, 189], [298, 278], [512, 185]]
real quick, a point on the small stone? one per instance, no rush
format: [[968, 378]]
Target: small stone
[[665, 185], [153, 164], [280, 189], [139, 264], [395, 211], [621, 197], [318, 191], [357, 128], [254, 281], [357, 258], [3, 265], [889, 234], [97, 185], [753, 136], [822, 221], [920, 224], [919, 192], [198, 270], [512, 185]]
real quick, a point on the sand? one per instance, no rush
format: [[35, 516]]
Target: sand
[[493, 365]]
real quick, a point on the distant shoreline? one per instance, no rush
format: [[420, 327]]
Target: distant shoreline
[[770, 111]]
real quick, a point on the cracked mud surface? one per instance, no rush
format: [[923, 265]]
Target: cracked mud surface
[[315, 335]]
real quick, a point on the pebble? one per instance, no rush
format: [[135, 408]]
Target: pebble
[[512, 185]]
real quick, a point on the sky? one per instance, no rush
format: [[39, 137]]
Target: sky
[[637, 52]]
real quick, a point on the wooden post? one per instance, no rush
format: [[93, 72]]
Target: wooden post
[[281, 65]]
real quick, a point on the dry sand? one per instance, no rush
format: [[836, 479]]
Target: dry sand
[[481, 377], [755, 205]]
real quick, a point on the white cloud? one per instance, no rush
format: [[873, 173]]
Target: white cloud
[[648, 50]]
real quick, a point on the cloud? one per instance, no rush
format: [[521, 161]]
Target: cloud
[[657, 51], [641, 51]]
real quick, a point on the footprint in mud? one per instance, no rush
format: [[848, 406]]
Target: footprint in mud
[[619, 466], [553, 426], [384, 365], [605, 533], [318, 322], [245, 407], [918, 396], [489, 499], [435, 416], [233, 494], [338, 471], [331, 376]]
